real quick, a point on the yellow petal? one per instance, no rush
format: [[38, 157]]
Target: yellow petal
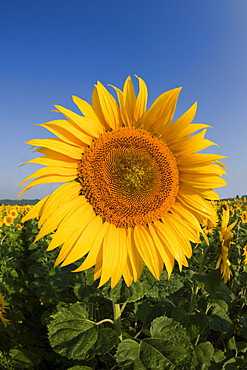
[[186, 215], [148, 251], [129, 99], [83, 123], [114, 255], [47, 171], [176, 128], [109, 106], [67, 132], [93, 255], [84, 242], [87, 111], [62, 194], [196, 203], [47, 179], [161, 112], [134, 256], [202, 170], [198, 159], [58, 146], [35, 210], [164, 252], [76, 219], [191, 144], [202, 182], [123, 113], [71, 163], [141, 101], [127, 272], [171, 241], [56, 218]]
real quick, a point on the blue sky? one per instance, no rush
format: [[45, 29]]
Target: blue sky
[[53, 49]]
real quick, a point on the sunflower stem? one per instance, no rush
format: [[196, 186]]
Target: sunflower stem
[[117, 319], [195, 287]]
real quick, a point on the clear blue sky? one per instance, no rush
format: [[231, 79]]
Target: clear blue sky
[[53, 49]]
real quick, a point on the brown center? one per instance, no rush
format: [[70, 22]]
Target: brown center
[[129, 177]]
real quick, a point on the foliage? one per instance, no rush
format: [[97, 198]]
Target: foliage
[[61, 320]]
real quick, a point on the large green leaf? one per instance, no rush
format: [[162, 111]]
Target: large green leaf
[[210, 282], [71, 334], [174, 342], [107, 339], [152, 355], [24, 357], [164, 287], [219, 320], [128, 355], [121, 293], [204, 353]]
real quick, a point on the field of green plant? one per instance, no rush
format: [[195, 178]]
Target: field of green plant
[[53, 318]]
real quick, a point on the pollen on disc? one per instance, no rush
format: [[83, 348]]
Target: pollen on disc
[[129, 177]]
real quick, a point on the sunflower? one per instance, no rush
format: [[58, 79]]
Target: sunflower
[[135, 191], [8, 220], [3, 306], [245, 254], [226, 237], [13, 213], [244, 217]]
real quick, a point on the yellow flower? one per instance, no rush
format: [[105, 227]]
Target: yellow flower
[[226, 237], [3, 306], [135, 189], [19, 226], [244, 217], [245, 254], [13, 213], [8, 220]]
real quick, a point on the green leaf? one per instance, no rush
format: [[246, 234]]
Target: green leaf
[[209, 282], [220, 324], [60, 283], [107, 339], [195, 323], [219, 320], [204, 353], [234, 363], [224, 293], [174, 342], [121, 293], [147, 312], [71, 334], [164, 287], [27, 357], [241, 346], [152, 357], [219, 356], [128, 355], [180, 315]]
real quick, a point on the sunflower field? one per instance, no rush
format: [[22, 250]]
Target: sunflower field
[[54, 318]]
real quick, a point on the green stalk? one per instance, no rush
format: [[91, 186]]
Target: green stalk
[[195, 287], [117, 319]]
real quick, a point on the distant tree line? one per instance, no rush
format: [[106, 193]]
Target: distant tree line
[[19, 202], [24, 202]]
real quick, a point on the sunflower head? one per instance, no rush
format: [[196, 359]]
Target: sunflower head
[[8, 220], [135, 187], [226, 237], [245, 254], [244, 217], [3, 306]]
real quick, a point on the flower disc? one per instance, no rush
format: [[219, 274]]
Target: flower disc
[[129, 177]]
